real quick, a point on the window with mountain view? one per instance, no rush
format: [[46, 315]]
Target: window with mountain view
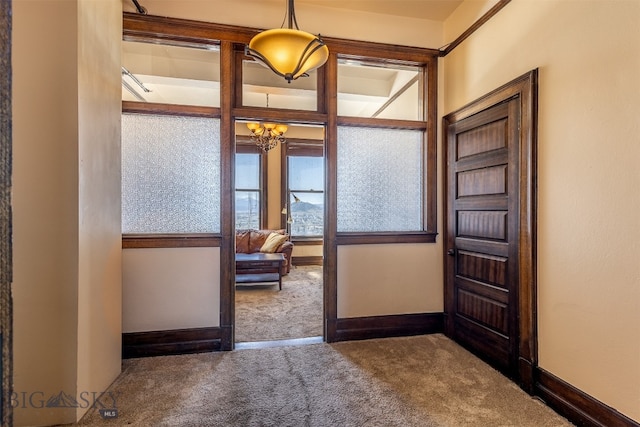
[[306, 195], [248, 191]]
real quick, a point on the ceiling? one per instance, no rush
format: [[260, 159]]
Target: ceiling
[[436, 10]]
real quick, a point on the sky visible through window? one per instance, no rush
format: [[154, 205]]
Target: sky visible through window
[[247, 202], [306, 182]]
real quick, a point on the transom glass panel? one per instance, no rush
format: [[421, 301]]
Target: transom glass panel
[[157, 73], [367, 89], [261, 87]]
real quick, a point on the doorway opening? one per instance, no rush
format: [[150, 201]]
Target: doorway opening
[[279, 194]]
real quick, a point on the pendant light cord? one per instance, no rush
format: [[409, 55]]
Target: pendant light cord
[[141, 9]]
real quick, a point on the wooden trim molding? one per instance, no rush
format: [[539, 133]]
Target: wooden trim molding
[[445, 50], [399, 325], [134, 107], [278, 114], [382, 123], [330, 248], [6, 243], [307, 260], [381, 238], [187, 32], [177, 341], [141, 241], [307, 241], [228, 83], [576, 405]]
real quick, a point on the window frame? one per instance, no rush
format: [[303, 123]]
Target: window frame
[[301, 148], [428, 92], [232, 40], [170, 240], [423, 221], [244, 145]]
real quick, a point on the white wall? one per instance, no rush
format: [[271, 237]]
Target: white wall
[[170, 288], [100, 241], [588, 54], [45, 205], [378, 280], [66, 247]]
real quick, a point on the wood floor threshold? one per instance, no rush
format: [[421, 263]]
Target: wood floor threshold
[[256, 345]]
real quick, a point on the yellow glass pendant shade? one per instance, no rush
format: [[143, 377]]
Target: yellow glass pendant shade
[[288, 52], [253, 126], [281, 129]]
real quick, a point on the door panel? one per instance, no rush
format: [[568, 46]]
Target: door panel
[[482, 182], [482, 205], [483, 224], [482, 139], [490, 201]]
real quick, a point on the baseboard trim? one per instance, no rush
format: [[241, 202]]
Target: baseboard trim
[[306, 260], [361, 328], [577, 406], [171, 342]]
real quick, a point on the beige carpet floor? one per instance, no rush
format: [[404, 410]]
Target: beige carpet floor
[[413, 381], [263, 313]]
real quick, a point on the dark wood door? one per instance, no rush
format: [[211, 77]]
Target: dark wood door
[[482, 233]]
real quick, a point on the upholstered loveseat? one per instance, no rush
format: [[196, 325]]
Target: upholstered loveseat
[[277, 241]]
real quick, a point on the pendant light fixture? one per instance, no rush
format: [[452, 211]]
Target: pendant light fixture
[[289, 52], [267, 135]]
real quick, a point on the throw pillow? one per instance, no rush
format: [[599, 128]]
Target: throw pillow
[[273, 242]]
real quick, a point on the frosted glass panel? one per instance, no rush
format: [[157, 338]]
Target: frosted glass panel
[[380, 180], [170, 174]]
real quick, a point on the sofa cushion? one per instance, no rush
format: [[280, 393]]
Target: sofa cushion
[[257, 239], [273, 242], [242, 241]]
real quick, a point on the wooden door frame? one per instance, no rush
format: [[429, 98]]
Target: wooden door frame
[[524, 88], [6, 263]]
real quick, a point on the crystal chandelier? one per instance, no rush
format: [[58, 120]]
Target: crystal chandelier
[[289, 52], [267, 135]]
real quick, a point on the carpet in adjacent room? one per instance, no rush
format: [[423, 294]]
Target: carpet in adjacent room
[[263, 313]]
